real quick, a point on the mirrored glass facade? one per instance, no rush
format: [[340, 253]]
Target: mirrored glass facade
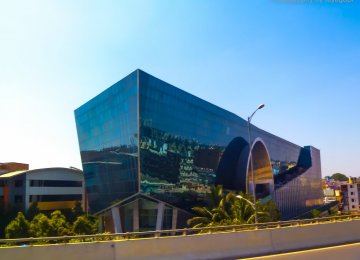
[[107, 128], [145, 135]]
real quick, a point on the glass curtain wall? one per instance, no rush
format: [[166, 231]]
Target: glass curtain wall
[[188, 144], [185, 145], [182, 139], [108, 137]]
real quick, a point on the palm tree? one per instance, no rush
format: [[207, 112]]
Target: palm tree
[[212, 215], [219, 211], [242, 209], [231, 209]]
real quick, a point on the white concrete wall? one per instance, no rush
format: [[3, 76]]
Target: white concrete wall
[[353, 205], [211, 246], [57, 174]]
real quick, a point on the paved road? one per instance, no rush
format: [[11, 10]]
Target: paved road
[[344, 252]]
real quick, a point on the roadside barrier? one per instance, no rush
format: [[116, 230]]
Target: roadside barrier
[[173, 232]]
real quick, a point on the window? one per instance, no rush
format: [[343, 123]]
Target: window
[[351, 193], [167, 219], [47, 198], [53, 183], [353, 206], [352, 200], [147, 214]]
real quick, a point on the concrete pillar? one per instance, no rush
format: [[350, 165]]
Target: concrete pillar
[[115, 212], [136, 218], [160, 215], [174, 218]]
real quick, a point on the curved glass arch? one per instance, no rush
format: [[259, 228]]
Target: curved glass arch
[[262, 169]]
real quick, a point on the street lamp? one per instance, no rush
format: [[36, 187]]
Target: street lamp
[[248, 201], [251, 160]]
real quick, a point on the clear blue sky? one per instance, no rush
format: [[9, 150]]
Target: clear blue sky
[[300, 58]]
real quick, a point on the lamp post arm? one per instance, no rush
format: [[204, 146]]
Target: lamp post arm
[[248, 201], [259, 107], [250, 117]]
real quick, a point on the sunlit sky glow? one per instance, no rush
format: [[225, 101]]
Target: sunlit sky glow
[[300, 58]]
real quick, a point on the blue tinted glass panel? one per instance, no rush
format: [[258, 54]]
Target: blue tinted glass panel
[[108, 137], [188, 144], [185, 145]]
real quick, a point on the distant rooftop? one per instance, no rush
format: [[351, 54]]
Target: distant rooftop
[[11, 174], [13, 166]]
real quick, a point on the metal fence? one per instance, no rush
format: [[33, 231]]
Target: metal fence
[[173, 232]]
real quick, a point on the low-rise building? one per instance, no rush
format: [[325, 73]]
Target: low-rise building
[[350, 195], [332, 190], [52, 188], [329, 195]]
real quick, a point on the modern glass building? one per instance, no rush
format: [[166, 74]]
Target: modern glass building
[[151, 151]]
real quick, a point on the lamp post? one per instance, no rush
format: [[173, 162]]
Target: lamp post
[[251, 161], [248, 201]]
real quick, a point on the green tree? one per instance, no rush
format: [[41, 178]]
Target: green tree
[[215, 213], [315, 213], [72, 214], [243, 211], [32, 211], [59, 224], [232, 209], [69, 215], [40, 226], [84, 226], [339, 177], [17, 228], [78, 210], [206, 217], [7, 214], [272, 210], [215, 196]]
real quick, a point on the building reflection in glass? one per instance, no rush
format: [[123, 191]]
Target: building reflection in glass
[[143, 135]]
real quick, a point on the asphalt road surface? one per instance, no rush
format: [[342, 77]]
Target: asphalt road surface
[[343, 252]]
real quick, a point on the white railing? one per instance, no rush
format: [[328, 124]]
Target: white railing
[[173, 232]]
